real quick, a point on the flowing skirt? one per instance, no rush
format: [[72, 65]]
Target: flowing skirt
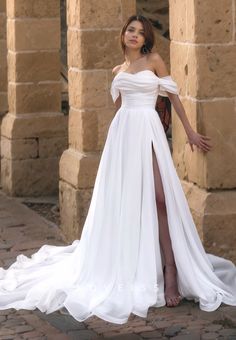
[[116, 268]]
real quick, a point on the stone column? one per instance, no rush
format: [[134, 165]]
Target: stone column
[[34, 131], [93, 50], [203, 63], [3, 63]]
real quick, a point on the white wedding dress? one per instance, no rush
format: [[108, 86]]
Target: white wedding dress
[[116, 268]]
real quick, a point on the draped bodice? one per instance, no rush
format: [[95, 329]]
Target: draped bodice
[[141, 88]]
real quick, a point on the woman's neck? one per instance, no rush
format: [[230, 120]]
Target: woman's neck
[[132, 56]]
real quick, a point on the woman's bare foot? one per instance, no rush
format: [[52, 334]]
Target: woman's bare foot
[[172, 295]]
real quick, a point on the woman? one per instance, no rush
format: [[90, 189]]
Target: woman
[[138, 220]]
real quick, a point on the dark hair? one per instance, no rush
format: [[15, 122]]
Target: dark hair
[[148, 33]]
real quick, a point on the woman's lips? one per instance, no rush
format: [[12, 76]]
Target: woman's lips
[[133, 41]]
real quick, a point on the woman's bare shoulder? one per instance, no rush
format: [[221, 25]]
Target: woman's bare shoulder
[[155, 57], [116, 69], [158, 64]]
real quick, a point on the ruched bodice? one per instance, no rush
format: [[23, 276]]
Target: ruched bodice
[[141, 88]]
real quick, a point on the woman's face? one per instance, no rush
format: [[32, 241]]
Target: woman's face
[[134, 35]]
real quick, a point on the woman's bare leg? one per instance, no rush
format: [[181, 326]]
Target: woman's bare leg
[[171, 287]]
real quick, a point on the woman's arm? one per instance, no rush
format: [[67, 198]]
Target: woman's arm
[[115, 70], [199, 140]]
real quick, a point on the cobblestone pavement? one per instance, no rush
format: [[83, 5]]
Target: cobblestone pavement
[[22, 230]]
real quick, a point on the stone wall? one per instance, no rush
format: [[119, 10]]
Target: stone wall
[[34, 132], [3, 64], [93, 50], [203, 63]]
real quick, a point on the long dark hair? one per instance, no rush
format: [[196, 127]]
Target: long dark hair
[[148, 33]]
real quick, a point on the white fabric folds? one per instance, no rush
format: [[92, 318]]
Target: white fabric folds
[[116, 268]]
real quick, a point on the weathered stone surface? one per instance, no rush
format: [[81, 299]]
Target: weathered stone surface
[[213, 21], [127, 8], [79, 169], [178, 18], [74, 204], [3, 66], [211, 119], [217, 119], [45, 125], [214, 67], [3, 103], [2, 25], [99, 49], [52, 147], [214, 214], [34, 97], [87, 89], [179, 65], [204, 71], [19, 148], [41, 174], [34, 8], [88, 128], [201, 21], [34, 67], [87, 14], [2, 5], [33, 34]]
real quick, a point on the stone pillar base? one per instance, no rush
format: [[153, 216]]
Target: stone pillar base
[[31, 148], [214, 213], [77, 176]]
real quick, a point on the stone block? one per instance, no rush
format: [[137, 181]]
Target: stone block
[[78, 169], [3, 103], [3, 26], [31, 97], [19, 149], [91, 14], [215, 119], [95, 49], [204, 71], [214, 214], [34, 67], [74, 205], [46, 125], [180, 143], [52, 147], [128, 8], [212, 21], [178, 20], [87, 89], [3, 66], [33, 8], [216, 72], [179, 66], [88, 129], [3, 77], [30, 177], [2, 5], [220, 219], [33, 34], [201, 21]]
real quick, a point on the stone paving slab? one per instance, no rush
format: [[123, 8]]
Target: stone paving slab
[[22, 230]]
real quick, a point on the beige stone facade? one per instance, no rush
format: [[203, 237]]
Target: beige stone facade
[[35, 132], [3, 64], [203, 63], [93, 50]]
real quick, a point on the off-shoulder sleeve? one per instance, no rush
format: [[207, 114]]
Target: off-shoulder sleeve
[[114, 91], [167, 84]]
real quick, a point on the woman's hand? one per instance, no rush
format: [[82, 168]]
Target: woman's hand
[[202, 142]]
